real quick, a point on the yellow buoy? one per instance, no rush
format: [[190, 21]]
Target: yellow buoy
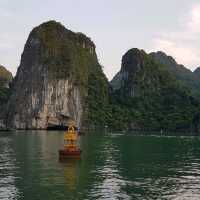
[[70, 144]]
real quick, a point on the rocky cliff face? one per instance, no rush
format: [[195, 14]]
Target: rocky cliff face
[[51, 85], [138, 74], [132, 62]]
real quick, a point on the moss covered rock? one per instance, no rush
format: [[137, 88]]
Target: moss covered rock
[[54, 80]]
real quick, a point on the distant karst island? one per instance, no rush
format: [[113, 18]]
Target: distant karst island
[[60, 79]]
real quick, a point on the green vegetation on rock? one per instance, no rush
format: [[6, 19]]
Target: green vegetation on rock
[[151, 98], [98, 98], [185, 76], [5, 79]]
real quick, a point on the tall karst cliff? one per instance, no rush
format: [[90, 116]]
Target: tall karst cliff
[[53, 80], [149, 97]]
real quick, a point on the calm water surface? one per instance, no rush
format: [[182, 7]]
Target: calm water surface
[[112, 166]]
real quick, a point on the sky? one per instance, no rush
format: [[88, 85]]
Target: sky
[[115, 26]]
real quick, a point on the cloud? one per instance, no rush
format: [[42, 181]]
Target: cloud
[[182, 54], [183, 45], [194, 19], [5, 13]]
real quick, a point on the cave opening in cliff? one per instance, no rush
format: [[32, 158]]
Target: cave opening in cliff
[[57, 127], [61, 122]]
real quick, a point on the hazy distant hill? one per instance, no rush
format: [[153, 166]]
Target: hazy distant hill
[[189, 78], [5, 78]]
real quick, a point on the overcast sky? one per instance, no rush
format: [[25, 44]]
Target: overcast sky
[[115, 26]]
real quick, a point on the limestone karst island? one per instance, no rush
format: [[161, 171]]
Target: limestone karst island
[[59, 79], [99, 100]]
